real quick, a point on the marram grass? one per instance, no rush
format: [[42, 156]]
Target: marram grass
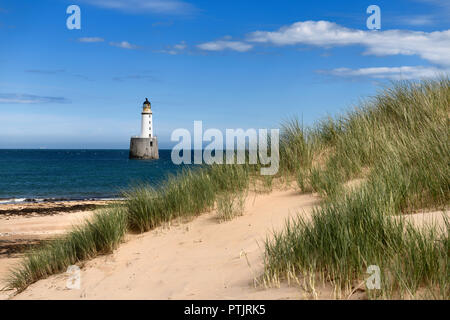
[[185, 195], [348, 235], [398, 143], [231, 204]]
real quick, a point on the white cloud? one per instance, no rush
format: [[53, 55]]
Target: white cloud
[[137, 77], [124, 45], [14, 98], [181, 46], [91, 39], [171, 52], [221, 45], [145, 6], [431, 46], [421, 20], [175, 49], [393, 73]]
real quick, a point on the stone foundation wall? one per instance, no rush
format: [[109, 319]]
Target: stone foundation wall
[[144, 148]]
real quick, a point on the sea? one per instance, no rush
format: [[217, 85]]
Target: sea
[[52, 175]]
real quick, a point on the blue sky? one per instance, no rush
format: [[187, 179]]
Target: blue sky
[[231, 64]]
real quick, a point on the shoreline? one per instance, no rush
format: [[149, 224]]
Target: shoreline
[[25, 225], [43, 208], [22, 200]]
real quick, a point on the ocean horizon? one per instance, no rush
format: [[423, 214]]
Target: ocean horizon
[[76, 174]]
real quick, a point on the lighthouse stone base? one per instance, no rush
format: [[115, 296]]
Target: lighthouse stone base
[[144, 148]]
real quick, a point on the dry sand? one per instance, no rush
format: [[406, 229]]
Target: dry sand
[[199, 259]]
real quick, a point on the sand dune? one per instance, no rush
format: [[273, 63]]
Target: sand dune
[[200, 259]]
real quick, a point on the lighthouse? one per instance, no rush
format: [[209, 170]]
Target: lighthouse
[[145, 146]]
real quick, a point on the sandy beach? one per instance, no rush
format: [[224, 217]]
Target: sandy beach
[[198, 259]]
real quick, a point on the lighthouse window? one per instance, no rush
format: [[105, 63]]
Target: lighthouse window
[[151, 143]]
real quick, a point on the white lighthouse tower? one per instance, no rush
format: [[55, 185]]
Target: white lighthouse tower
[[147, 118], [146, 145]]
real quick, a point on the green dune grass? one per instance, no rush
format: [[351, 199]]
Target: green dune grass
[[398, 143]]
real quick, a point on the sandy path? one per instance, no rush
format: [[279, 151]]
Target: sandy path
[[200, 259]]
